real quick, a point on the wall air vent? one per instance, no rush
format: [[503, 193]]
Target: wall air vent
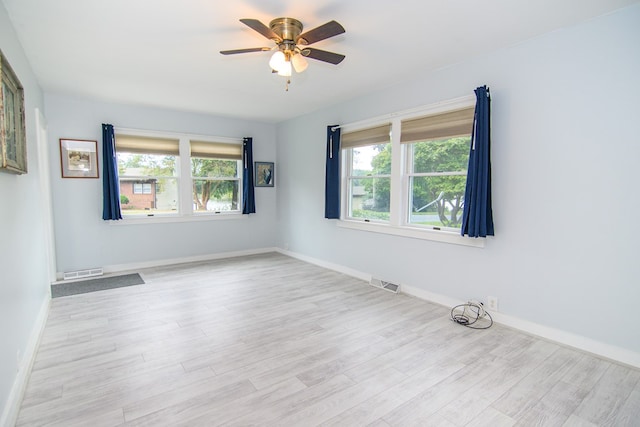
[[81, 274], [383, 284]]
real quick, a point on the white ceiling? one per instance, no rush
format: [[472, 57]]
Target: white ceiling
[[164, 53]]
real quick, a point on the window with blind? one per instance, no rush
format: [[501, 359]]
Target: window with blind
[[367, 154], [409, 172], [437, 154], [148, 172], [178, 175], [215, 173]]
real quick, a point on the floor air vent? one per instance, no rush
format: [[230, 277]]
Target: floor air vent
[[383, 284], [81, 274]]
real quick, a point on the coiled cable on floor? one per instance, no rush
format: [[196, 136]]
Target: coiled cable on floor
[[472, 315]]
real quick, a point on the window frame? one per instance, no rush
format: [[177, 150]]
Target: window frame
[[398, 224], [347, 187], [411, 174], [237, 179], [185, 211]]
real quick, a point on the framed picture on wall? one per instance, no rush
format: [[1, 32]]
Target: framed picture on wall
[[79, 158], [13, 141], [264, 174]]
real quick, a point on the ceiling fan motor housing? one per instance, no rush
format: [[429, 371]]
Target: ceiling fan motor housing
[[287, 28]]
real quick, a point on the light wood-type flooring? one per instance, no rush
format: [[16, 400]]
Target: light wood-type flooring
[[271, 340]]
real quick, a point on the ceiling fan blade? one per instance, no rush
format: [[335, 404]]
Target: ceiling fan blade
[[330, 29], [258, 26], [322, 55], [251, 49]]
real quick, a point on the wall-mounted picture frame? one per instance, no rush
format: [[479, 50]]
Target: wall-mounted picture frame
[[13, 141], [264, 174], [79, 158]]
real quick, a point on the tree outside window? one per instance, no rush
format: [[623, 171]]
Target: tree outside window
[[215, 184], [438, 173]]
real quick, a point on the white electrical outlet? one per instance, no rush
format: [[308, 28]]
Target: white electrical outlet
[[492, 303]]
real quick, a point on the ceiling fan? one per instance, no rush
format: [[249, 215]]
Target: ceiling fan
[[292, 44]]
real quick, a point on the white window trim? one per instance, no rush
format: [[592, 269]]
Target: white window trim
[[397, 224], [186, 212], [412, 232], [164, 219]]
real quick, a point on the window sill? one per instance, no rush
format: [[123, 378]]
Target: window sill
[[164, 219], [413, 232]]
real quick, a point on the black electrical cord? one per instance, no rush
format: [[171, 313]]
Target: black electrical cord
[[471, 313]]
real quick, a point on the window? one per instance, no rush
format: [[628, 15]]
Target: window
[[215, 172], [410, 174], [152, 182], [368, 173], [437, 154], [142, 188], [143, 161]]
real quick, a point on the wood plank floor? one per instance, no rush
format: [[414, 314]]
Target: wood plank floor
[[270, 340]]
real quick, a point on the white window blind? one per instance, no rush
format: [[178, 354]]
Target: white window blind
[[216, 150], [444, 125], [370, 136], [147, 145]]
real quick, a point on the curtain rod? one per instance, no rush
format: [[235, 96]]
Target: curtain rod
[[438, 106]]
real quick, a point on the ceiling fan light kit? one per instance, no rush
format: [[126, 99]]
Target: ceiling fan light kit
[[284, 69], [299, 63], [277, 60], [288, 37]]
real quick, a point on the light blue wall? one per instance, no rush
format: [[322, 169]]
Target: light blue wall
[[84, 240], [23, 259], [565, 150]]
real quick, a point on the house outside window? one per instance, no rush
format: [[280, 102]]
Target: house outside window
[[138, 195]]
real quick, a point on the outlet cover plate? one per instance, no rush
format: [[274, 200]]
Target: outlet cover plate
[[492, 303]]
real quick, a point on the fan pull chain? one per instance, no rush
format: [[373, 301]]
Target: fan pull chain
[[286, 87]]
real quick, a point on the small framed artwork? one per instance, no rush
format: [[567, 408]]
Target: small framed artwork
[[79, 158], [264, 174], [13, 141]]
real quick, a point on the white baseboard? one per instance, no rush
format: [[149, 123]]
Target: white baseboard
[[328, 265], [607, 351], [12, 407], [559, 336], [119, 268]]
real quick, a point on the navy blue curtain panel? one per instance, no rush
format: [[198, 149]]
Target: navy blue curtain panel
[[248, 195], [110, 186], [477, 216], [332, 174]]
